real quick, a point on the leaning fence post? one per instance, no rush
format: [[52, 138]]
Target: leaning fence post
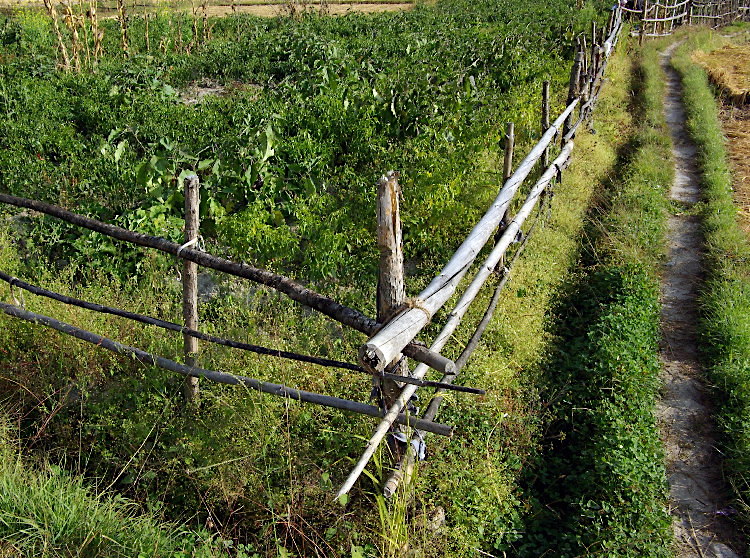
[[190, 285], [391, 292], [644, 15]]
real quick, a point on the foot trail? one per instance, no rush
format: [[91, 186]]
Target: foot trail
[[698, 494]]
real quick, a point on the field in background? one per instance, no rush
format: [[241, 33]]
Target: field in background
[[220, 8]]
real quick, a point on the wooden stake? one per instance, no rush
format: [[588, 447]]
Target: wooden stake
[[545, 120], [391, 293], [644, 14], [510, 144], [190, 286], [573, 88]]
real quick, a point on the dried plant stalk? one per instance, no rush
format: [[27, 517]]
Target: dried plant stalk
[[123, 17], [52, 11]]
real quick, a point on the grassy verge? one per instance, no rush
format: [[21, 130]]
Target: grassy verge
[[725, 324], [47, 513], [600, 487]]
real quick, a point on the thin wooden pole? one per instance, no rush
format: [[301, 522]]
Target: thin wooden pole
[[391, 293], [644, 15], [510, 144], [323, 304], [545, 120], [190, 285], [220, 377]]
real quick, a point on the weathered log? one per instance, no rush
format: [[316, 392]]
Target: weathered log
[[190, 286], [391, 292], [384, 346], [295, 291], [219, 377]]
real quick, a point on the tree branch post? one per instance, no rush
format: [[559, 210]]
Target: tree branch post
[[391, 293], [190, 286]]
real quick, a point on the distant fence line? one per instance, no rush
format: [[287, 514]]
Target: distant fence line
[[400, 320], [660, 19]]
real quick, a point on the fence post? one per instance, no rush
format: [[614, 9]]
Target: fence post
[[545, 120], [644, 14], [190, 286], [510, 145], [391, 293], [573, 89]]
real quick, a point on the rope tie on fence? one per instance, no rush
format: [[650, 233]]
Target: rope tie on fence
[[196, 241], [418, 304]]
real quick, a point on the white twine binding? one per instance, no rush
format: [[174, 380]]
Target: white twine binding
[[198, 240]]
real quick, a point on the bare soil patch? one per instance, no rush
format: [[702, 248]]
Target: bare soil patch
[[273, 10], [260, 8]]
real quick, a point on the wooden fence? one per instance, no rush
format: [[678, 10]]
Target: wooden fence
[[392, 337], [659, 19]]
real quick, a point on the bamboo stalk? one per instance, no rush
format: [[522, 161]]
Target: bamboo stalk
[[384, 346], [487, 268], [190, 286], [218, 377], [323, 304], [405, 468]]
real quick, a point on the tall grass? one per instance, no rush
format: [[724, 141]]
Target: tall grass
[[46, 512]]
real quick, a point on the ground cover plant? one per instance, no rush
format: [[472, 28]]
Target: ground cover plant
[[599, 485], [311, 111], [726, 300]]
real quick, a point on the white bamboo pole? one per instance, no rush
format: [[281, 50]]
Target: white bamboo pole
[[458, 312], [385, 345]]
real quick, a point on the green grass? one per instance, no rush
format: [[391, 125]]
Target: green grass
[[725, 302], [599, 488], [46, 512]]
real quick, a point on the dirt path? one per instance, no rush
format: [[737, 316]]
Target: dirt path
[[698, 495]]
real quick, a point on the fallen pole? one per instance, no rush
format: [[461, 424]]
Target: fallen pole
[[219, 377]]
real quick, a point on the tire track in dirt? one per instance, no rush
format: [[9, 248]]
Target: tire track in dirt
[[698, 493]]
